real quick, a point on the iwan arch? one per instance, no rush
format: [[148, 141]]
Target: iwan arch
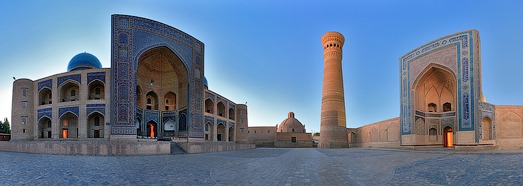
[[442, 103]]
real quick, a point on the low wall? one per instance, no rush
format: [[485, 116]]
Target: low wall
[[91, 147], [205, 147], [393, 145], [298, 144]]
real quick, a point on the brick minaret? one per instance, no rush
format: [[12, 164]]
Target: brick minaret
[[333, 131]]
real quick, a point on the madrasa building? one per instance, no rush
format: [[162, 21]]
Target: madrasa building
[[155, 88]]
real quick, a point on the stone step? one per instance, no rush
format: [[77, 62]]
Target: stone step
[[175, 149]]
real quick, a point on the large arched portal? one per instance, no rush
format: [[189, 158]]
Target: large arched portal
[[435, 101], [435, 91], [161, 71], [164, 78]]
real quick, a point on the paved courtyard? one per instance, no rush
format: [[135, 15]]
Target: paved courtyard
[[265, 166]]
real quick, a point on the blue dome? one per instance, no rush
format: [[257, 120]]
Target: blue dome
[[83, 61], [205, 83]]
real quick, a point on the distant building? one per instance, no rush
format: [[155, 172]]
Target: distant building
[[289, 133]]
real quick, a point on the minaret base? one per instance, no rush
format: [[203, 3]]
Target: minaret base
[[334, 137]]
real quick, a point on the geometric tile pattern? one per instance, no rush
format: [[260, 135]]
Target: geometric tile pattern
[[95, 76], [74, 110], [45, 112], [45, 84], [90, 108], [75, 77]]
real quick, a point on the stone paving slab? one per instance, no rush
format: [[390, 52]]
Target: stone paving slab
[[268, 166]]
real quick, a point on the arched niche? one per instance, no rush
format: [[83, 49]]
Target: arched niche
[[435, 87]]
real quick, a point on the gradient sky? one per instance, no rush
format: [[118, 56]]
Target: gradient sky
[[268, 53]]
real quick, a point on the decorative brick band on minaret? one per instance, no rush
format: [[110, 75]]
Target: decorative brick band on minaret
[[333, 131]]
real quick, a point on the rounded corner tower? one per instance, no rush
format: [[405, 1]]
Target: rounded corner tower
[[333, 131]]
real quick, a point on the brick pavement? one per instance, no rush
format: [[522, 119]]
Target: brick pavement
[[266, 166]]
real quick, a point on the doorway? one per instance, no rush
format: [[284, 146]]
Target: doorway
[[448, 137], [151, 129]]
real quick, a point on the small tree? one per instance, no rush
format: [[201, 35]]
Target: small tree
[[4, 127]]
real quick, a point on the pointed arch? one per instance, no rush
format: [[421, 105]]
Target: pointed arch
[[69, 91], [96, 90], [45, 127], [221, 109], [45, 96], [209, 106], [95, 125]]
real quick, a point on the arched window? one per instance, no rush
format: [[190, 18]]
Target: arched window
[[209, 106], [96, 90], [221, 109], [69, 92], [170, 101], [432, 107], [231, 113], [447, 107], [45, 96], [152, 101]]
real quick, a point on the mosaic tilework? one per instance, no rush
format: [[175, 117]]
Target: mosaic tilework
[[232, 105], [464, 46], [170, 115], [221, 122], [132, 36], [46, 112], [139, 113], [181, 126], [209, 119], [423, 114], [74, 110], [95, 76], [208, 95], [231, 124], [139, 117], [152, 115], [90, 108], [45, 84], [74, 77]]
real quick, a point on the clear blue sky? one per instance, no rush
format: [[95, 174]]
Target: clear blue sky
[[268, 53]]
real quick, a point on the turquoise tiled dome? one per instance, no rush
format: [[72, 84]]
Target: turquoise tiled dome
[[205, 83], [83, 61]]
